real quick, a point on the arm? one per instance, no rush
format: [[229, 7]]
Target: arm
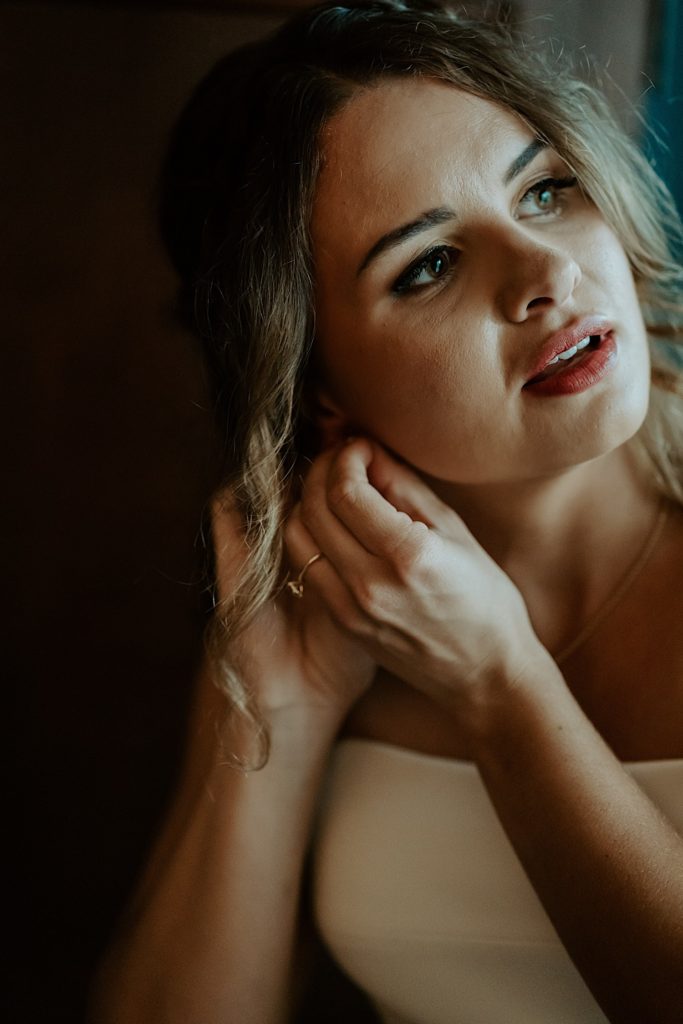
[[212, 932], [441, 615], [211, 935], [607, 866]]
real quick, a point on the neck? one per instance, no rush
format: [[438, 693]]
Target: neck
[[564, 540]]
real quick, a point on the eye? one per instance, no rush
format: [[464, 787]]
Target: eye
[[434, 265], [545, 197]]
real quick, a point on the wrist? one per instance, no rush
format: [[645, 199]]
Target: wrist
[[509, 697], [314, 725], [293, 734]]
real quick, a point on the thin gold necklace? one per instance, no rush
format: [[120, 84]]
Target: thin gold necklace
[[626, 582]]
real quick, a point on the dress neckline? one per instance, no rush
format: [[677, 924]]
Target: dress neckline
[[457, 764]]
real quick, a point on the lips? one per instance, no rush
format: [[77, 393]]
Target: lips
[[562, 362], [596, 328], [577, 375]]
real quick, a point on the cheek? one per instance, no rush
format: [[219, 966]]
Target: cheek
[[606, 255], [356, 373], [416, 364], [393, 372]]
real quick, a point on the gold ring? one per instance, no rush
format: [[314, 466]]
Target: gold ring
[[296, 587]]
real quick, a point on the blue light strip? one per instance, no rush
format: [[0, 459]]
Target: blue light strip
[[665, 101]]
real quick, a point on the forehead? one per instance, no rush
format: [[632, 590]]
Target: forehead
[[403, 146]]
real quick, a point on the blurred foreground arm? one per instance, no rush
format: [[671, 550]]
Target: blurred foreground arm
[[211, 934]]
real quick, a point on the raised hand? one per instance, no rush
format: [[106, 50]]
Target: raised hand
[[403, 575], [293, 655]]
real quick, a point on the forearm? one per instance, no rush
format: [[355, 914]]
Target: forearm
[[605, 863], [212, 935]]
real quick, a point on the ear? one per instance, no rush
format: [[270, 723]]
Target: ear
[[331, 423]]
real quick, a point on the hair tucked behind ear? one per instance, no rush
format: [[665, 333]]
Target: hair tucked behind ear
[[237, 192]]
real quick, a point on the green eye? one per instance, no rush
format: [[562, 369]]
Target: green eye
[[545, 195], [545, 198]]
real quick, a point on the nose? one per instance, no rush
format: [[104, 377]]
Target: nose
[[534, 278]]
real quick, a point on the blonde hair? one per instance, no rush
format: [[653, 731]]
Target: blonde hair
[[238, 186]]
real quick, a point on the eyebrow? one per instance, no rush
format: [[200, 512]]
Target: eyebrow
[[524, 158], [442, 214], [439, 215]]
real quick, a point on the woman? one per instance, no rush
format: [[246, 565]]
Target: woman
[[420, 260]]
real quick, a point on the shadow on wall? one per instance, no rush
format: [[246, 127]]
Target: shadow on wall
[[108, 470]]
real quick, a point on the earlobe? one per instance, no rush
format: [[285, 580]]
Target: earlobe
[[331, 423]]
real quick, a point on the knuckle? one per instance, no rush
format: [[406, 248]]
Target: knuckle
[[342, 494], [371, 598], [412, 557], [350, 620]]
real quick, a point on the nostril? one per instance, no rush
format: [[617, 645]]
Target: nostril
[[542, 300]]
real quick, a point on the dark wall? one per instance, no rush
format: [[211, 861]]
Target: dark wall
[[107, 468]]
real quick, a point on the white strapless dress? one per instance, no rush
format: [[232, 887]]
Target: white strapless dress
[[421, 899]]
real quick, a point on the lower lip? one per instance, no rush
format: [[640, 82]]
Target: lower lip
[[594, 366]]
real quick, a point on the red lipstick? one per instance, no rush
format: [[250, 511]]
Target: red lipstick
[[557, 372]]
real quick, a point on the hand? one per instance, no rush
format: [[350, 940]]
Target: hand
[[404, 576], [293, 656]]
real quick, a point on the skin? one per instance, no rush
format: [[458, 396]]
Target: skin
[[421, 371], [445, 528], [443, 557]]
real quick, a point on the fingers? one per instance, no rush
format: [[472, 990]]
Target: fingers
[[300, 547], [321, 580], [359, 507], [345, 512], [405, 490], [320, 507], [376, 522], [340, 503]]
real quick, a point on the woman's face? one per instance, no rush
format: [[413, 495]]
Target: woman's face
[[427, 334]]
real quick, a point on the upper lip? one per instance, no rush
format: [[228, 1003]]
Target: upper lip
[[570, 335]]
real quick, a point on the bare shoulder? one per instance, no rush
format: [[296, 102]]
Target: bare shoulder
[[628, 678]]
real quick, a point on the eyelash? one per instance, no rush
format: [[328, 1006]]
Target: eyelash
[[404, 282], [556, 184]]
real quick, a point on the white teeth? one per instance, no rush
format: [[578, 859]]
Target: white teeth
[[568, 353]]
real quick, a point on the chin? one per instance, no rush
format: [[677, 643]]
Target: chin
[[610, 422], [592, 439], [599, 436]]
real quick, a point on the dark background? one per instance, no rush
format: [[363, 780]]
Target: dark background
[[108, 455]]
